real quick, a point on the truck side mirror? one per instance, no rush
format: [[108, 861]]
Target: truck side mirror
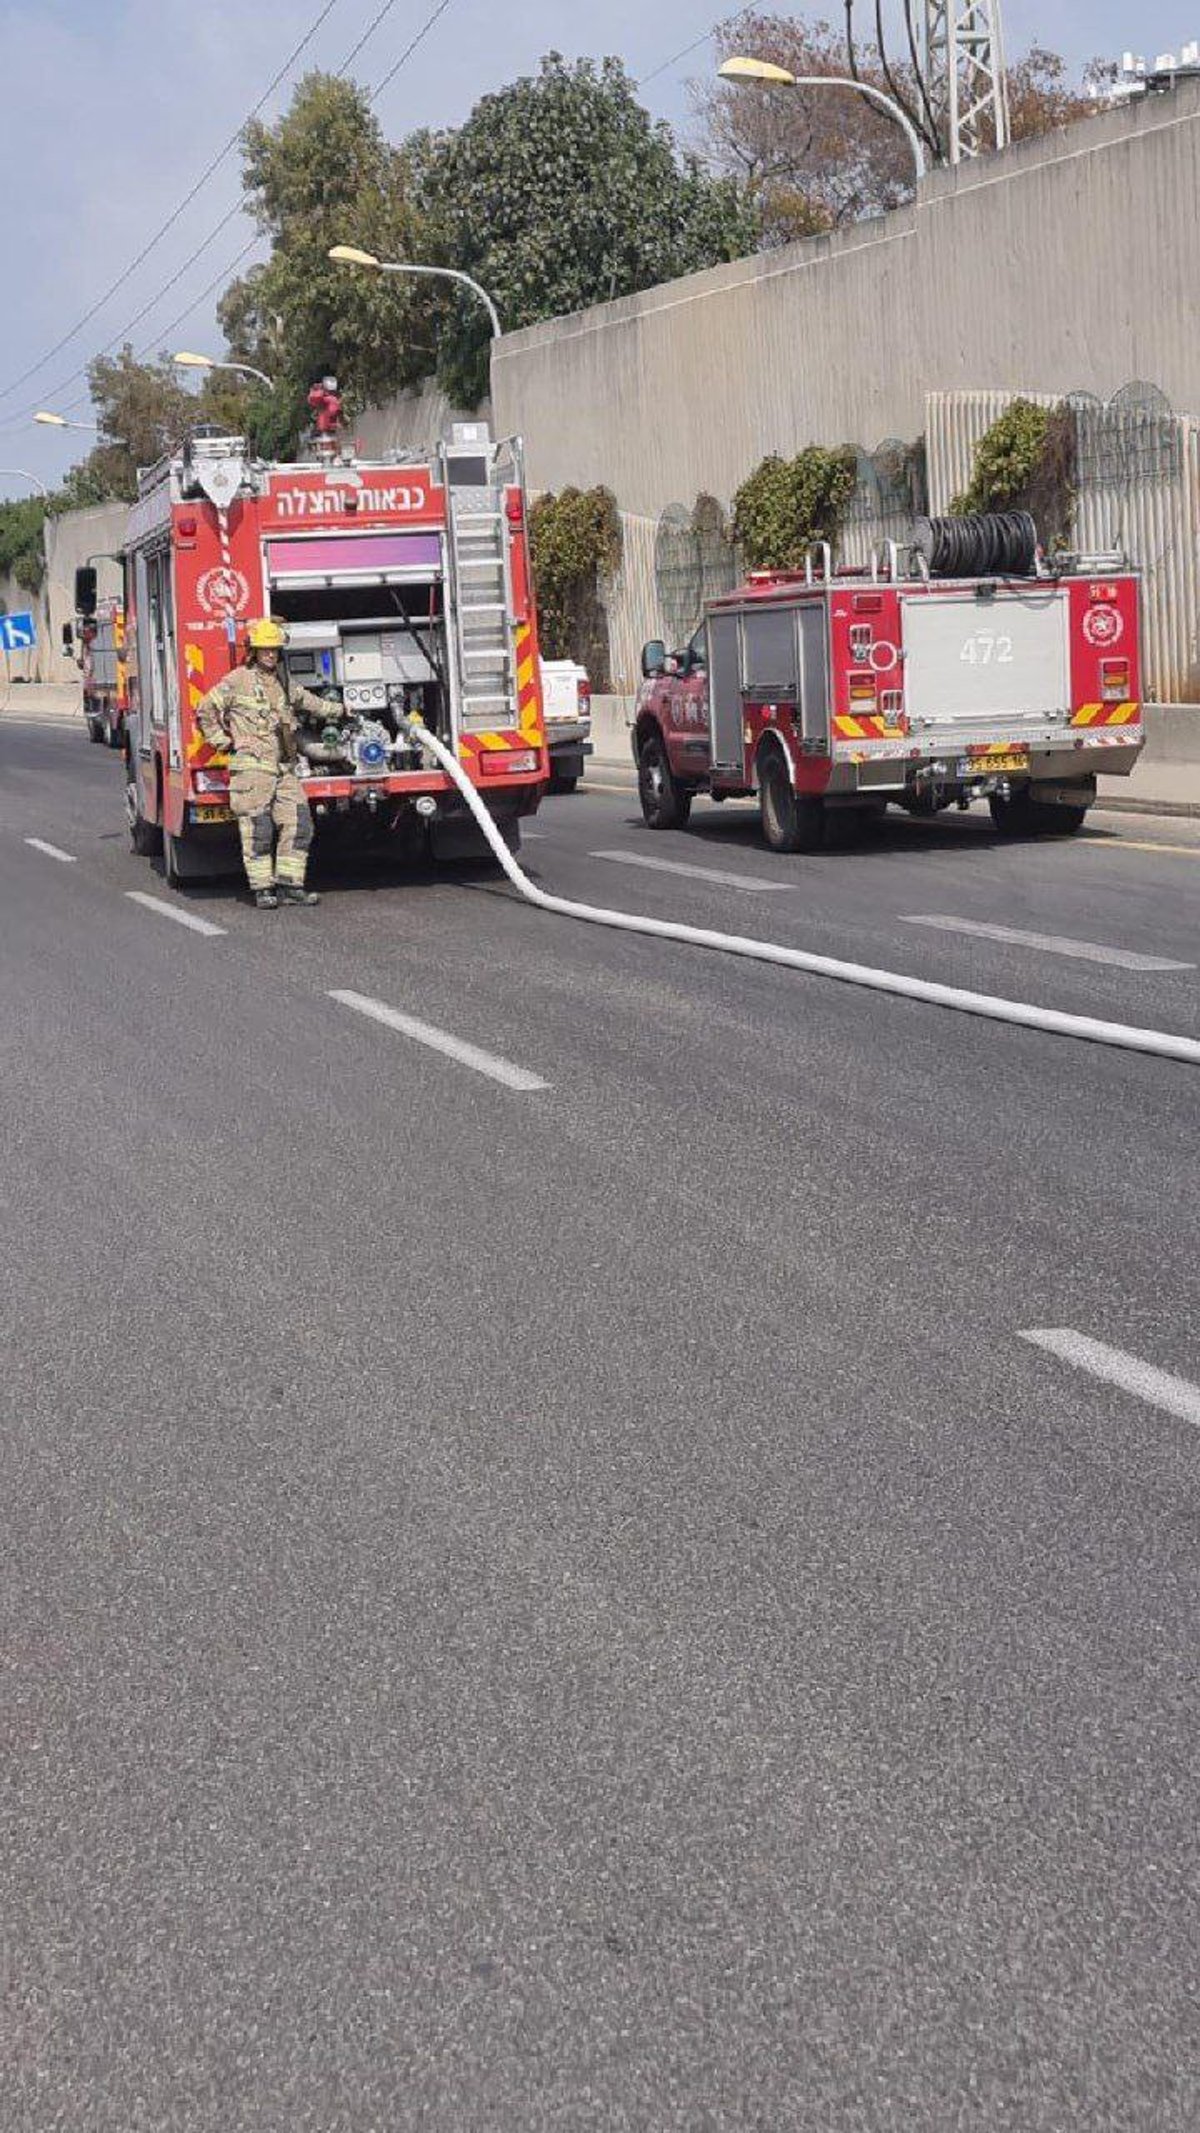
[[85, 589], [654, 658], [68, 640]]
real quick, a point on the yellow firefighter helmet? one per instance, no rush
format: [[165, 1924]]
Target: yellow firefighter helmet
[[266, 635]]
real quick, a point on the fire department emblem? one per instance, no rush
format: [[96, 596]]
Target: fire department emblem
[[1103, 627], [223, 591]]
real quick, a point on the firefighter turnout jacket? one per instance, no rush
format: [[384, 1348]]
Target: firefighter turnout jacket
[[254, 714]]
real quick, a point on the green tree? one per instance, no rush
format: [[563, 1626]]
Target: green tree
[[144, 410], [788, 504], [575, 545], [1026, 462], [21, 552], [558, 192], [324, 175]]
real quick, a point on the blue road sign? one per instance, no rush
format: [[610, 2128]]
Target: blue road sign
[[17, 633]]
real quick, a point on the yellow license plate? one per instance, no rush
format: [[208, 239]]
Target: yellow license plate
[[994, 759], [212, 814]]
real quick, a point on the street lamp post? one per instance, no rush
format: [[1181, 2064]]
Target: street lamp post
[[765, 70], [349, 255], [7, 472], [60, 422], [188, 360]]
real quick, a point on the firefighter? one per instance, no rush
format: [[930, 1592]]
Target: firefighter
[[256, 716], [326, 403]]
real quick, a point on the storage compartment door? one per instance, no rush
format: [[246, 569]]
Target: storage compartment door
[[725, 693], [814, 674], [1003, 661]]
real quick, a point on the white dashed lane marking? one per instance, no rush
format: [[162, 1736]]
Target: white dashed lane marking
[[52, 851], [1158, 1388], [1048, 943], [716, 875], [440, 1040], [164, 909]]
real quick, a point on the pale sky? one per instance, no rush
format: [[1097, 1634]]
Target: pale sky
[[112, 112]]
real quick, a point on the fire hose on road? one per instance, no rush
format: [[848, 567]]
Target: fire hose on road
[[1117, 1035]]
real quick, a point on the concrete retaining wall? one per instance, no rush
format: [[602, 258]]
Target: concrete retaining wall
[[1066, 263], [68, 541]]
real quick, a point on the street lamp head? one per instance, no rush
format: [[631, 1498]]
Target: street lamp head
[[351, 255], [190, 361], [56, 422], [756, 70]]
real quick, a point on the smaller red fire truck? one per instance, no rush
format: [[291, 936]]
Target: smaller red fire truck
[[826, 691], [101, 628], [405, 590]]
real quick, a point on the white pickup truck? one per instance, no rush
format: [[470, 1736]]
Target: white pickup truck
[[567, 705]]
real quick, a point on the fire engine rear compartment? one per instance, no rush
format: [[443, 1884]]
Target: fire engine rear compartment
[[955, 678], [379, 651]]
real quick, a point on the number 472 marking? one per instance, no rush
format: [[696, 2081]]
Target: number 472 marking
[[986, 649]]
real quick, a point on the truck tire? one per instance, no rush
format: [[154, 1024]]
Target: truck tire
[[145, 838], [188, 859], [95, 726], [1023, 816], [792, 821], [559, 783], [666, 804], [1058, 818]]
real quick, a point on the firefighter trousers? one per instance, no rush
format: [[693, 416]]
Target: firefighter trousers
[[267, 803]]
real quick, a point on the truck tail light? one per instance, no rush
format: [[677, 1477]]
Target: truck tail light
[[513, 763], [583, 695], [211, 781], [862, 692], [1114, 680], [514, 511]]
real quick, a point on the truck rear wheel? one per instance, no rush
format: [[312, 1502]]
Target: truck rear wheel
[[666, 804], [188, 859], [792, 821], [1021, 815], [144, 837]]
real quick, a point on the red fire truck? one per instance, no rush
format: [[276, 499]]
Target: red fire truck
[[826, 691], [101, 625], [405, 590]]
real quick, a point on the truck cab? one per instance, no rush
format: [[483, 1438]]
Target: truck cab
[[670, 731]]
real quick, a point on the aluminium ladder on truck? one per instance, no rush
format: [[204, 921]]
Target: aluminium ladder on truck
[[477, 477]]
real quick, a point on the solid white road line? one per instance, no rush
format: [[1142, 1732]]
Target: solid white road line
[[679, 866], [1159, 1388], [166, 910], [1049, 943], [439, 1040], [52, 851]]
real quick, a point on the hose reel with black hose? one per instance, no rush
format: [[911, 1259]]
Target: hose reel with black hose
[[982, 544]]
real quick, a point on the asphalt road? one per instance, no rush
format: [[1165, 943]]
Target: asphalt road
[[575, 1605]]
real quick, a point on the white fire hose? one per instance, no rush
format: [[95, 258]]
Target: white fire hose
[[1018, 1012]]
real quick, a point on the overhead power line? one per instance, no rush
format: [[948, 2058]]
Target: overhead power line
[[686, 53], [163, 331], [409, 49], [176, 212]]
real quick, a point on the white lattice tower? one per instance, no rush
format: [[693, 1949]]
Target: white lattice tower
[[965, 75]]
